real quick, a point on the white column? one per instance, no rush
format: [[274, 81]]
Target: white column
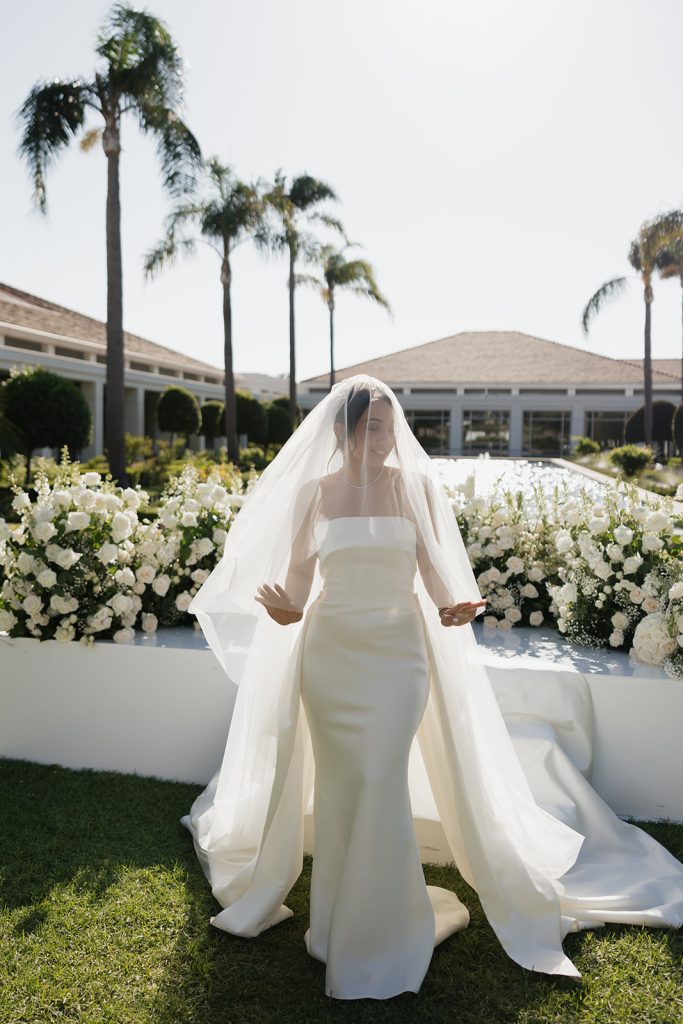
[[576, 426], [516, 427], [455, 434]]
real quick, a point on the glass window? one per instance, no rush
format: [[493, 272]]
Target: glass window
[[545, 433], [431, 428], [607, 428], [486, 430]]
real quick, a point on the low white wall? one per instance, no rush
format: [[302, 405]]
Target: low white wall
[[153, 708]]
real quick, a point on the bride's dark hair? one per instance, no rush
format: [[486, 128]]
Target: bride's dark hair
[[354, 405]]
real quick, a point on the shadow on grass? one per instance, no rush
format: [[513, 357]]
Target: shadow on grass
[[101, 830]]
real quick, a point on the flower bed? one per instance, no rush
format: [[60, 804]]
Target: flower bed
[[84, 561]]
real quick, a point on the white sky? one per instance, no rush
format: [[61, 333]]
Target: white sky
[[494, 159]]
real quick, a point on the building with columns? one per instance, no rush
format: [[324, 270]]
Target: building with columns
[[509, 393], [34, 332]]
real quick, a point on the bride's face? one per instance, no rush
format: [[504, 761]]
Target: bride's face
[[374, 434]]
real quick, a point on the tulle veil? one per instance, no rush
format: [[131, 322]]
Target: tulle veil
[[247, 825]]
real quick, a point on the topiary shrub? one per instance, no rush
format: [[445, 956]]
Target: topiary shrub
[[46, 411], [631, 458], [662, 415], [283, 400], [178, 412], [677, 427], [586, 446], [280, 426], [252, 418], [212, 421]]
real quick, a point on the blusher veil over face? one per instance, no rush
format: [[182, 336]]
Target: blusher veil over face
[[248, 825]]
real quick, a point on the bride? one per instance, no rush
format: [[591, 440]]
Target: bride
[[332, 610]]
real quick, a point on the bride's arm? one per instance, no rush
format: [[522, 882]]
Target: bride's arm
[[452, 613], [285, 604]]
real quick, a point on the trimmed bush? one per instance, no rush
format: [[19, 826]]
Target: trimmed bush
[[212, 421], [47, 411], [631, 458], [178, 412], [586, 446], [677, 427], [662, 416], [280, 426], [252, 418]]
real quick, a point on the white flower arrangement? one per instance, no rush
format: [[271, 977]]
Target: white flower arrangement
[[60, 566]]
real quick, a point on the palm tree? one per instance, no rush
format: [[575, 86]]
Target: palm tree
[[355, 275], [654, 235], [142, 74], [669, 263], [295, 205], [229, 213]]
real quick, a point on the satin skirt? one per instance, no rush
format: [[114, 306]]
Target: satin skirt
[[364, 687]]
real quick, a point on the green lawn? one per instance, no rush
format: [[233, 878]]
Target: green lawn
[[105, 918]]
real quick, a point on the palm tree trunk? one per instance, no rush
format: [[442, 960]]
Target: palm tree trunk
[[292, 343], [114, 425], [647, 365], [331, 305], [230, 402]]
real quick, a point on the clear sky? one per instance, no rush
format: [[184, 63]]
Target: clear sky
[[494, 159]]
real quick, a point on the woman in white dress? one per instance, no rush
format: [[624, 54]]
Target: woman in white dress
[[375, 577]]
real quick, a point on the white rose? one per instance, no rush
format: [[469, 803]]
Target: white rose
[[657, 521], [220, 536], [7, 619], [615, 553], [529, 590], [138, 587], [107, 553], [63, 605], [25, 563], [131, 497], [204, 546], [67, 558], [47, 578], [616, 638], [149, 622], [120, 604], [90, 479], [490, 620], [504, 624], [77, 521], [43, 531], [515, 564], [188, 519], [636, 595], [493, 574], [32, 604], [563, 541], [651, 542], [146, 573], [62, 498], [125, 577], [199, 575], [619, 621], [633, 563], [649, 605], [121, 527], [513, 614], [568, 593], [182, 601], [168, 521], [21, 500], [676, 591], [536, 619], [124, 636], [598, 524], [63, 634], [536, 574], [161, 584], [623, 535], [602, 570]]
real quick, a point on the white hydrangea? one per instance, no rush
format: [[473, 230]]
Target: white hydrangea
[[651, 641]]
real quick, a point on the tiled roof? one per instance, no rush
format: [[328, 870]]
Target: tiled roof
[[21, 310], [497, 357], [672, 367]]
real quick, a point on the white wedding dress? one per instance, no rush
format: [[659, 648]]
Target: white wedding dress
[[364, 687], [363, 680]]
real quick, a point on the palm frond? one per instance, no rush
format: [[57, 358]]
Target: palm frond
[[609, 290], [50, 116], [306, 191], [662, 231], [90, 139], [179, 154], [166, 253]]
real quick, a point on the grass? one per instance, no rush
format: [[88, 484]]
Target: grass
[[105, 918]]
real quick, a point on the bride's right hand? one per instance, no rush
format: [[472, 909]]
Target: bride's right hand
[[278, 604]]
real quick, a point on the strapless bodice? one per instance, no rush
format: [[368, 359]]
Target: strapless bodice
[[367, 561]]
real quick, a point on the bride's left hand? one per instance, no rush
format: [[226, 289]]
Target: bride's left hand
[[459, 614]]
